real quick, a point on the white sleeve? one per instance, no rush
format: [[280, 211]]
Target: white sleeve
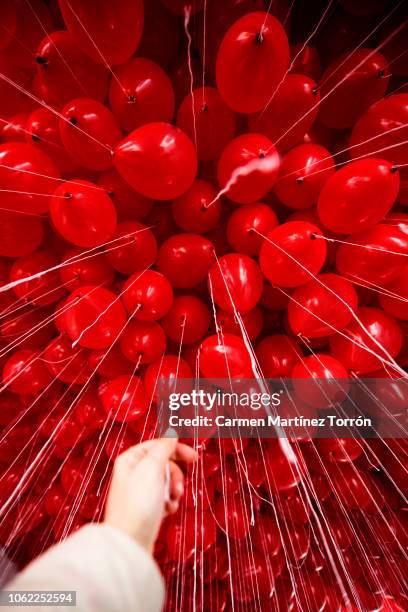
[[108, 571]]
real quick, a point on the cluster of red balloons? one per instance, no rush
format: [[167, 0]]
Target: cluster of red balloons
[[182, 180]]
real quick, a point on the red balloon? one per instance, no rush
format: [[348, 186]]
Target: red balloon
[[277, 355], [93, 317], [384, 129], [248, 168], [169, 369], [192, 211], [376, 256], [322, 306], [350, 84], [340, 450], [66, 363], [188, 320], [143, 341], [88, 409], [107, 32], [356, 351], [136, 251], [294, 255], [358, 195], [89, 133], [125, 399], [252, 321], [83, 213], [303, 172], [235, 282], [148, 295], [28, 177], [24, 372], [43, 130], [29, 31], [64, 72], [19, 234], [184, 541], [290, 114], [45, 288], [158, 160], [79, 268], [251, 62], [141, 93], [185, 259], [332, 380], [225, 357], [395, 299], [128, 203], [207, 120], [233, 516], [243, 221]]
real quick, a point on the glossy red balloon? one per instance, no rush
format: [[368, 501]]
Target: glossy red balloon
[[243, 221], [24, 372], [277, 355], [64, 72], [42, 290], [27, 328], [303, 172], [66, 363], [28, 177], [89, 132], [185, 259], [93, 317], [158, 160], [322, 306], [290, 113], [384, 129], [125, 399], [353, 486], [81, 268], [197, 210], [251, 62], [128, 203], [142, 93], [137, 250], [359, 195], [248, 168], [42, 129], [235, 282], [111, 363], [14, 129], [207, 120], [376, 256], [350, 84], [83, 213], [284, 471], [331, 380], [188, 320], [225, 357], [293, 255], [147, 295], [143, 341], [360, 351], [107, 32]]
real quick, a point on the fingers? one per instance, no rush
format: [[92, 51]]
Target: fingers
[[184, 452], [176, 487], [160, 450]]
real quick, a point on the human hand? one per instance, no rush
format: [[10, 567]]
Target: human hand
[[136, 500]]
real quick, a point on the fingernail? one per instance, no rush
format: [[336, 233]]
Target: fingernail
[[180, 488]]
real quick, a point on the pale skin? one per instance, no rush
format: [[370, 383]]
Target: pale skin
[[136, 503]]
